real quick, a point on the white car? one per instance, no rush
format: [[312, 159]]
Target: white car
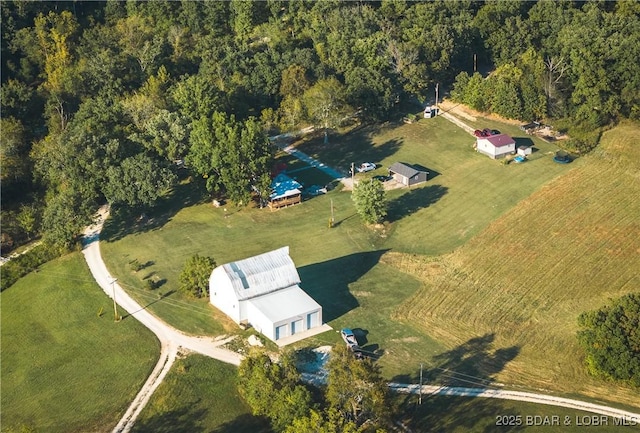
[[366, 166]]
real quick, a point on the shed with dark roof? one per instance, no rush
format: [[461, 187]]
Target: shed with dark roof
[[407, 175]]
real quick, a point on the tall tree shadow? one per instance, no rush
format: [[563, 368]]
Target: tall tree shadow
[[127, 220], [356, 146], [441, 414], [328, 282], [415, 200], [472, 364], [245, 423], [172, 421]]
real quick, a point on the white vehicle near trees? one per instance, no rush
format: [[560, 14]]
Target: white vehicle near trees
[[366, 166]]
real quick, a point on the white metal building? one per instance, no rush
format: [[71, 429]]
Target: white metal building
[[496, 146], [263, 291]]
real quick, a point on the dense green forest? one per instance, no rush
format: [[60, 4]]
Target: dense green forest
[[102, 101]]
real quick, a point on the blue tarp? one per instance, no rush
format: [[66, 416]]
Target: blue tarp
[[283, 186]]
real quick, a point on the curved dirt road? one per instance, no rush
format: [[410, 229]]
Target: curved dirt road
[[172, 341], [630, 417]]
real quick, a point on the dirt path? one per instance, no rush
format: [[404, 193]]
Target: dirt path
[[171, 340], [629, 417], [447, 110]]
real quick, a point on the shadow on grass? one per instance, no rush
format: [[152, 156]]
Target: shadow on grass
[[245, 423], [172, 421], [472, 364], [415, 200], [523, 141], [355, 146], [328, 282], [127, 220], [443, 414], [185, 420], [160, 296], [337, 223]]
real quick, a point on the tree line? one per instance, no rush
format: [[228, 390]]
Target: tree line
[[355, 399], [103, 101]]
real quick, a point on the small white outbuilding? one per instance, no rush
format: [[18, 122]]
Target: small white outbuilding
[[263, 291], [496, 146]]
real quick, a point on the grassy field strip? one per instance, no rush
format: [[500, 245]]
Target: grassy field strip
[[199, 394], [530, 273], [518, 396], [66, 366]]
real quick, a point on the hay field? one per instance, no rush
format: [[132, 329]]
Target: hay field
[[523, 281]]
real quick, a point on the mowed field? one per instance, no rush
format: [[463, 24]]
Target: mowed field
[[465, 190], [413, 304], [66, 366], [523, 281]]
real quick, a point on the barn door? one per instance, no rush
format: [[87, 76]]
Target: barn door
[[281, 331], [312, 320], [296, 326]]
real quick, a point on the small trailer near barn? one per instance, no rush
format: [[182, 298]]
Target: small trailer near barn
[[524, 150]]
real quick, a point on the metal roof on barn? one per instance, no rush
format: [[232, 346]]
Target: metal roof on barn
[[262, 274]]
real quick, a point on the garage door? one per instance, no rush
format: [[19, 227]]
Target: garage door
[[296, 326], [281, 331], [312, 320]]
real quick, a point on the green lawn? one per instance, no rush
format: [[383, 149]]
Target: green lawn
[[199, 395], [360, 293], [65, 367], [227, 236], [354, 271], [465, 191]]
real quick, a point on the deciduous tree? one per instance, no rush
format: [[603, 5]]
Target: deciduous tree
[[370, 201], [325, 104], [233, 156], [139, 181], [273, 389], [610, 337], [356, 389], [194, 278]]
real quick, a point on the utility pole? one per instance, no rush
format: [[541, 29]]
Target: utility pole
[[353, 173], [420, 390], [437, 84], [116, 318], [332, 219], [475, 58]]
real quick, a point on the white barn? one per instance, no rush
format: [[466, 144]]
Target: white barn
[[496, 146], [263, 291]]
